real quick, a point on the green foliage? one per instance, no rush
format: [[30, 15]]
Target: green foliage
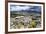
[[14, 15], [32, 25]]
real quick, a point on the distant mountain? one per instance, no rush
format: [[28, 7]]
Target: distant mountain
[[25, 12], [31, 11]]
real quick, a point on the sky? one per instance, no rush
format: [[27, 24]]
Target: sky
[[24, 7]]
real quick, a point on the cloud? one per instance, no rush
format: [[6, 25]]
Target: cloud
[[19, 8]]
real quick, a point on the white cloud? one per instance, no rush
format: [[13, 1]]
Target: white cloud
[[18, 8]]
